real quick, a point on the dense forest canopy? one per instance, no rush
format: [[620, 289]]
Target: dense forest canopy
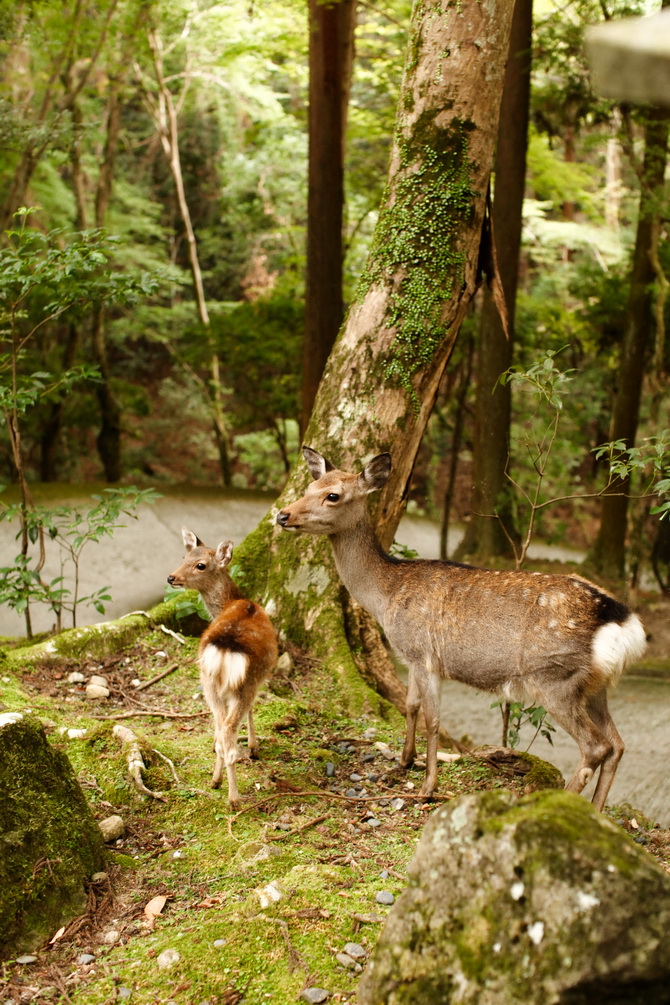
[[154, 170]]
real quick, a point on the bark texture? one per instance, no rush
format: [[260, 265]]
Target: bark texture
[[485, 535], [381, 379], [608, 555]]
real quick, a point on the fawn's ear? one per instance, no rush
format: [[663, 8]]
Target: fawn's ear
[[376, 472], [317, 464], [224, 553], [190, 539]]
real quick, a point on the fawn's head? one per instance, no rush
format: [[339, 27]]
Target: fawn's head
[[202, 567], [336, 500]]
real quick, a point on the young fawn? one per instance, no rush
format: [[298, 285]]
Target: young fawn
[[238, 651], [558, 640]]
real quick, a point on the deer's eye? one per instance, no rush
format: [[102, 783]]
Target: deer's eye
[[201, 566], [332, 497]]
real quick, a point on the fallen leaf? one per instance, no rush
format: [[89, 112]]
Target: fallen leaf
[[212, 901], [57, 936], [153, 909], [634, 824]]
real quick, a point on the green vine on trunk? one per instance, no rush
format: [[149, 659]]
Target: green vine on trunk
[[416, 240]]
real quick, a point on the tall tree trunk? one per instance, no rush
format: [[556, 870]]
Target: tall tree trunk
[[383, 374], [485, 535], [608, 554], [331, 44]]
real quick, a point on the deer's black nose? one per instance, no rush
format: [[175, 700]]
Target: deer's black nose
[[282, 518], [170, 580]]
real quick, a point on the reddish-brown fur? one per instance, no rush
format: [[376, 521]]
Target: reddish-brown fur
[[558, 639], [237, 652]]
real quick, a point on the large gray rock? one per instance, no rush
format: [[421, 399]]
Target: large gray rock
[[539, 899], [49, 841]]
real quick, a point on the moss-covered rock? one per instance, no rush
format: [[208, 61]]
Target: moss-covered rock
[[511, 901], [49, 841], [107, 637]]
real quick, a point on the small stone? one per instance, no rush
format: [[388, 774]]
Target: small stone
[[355, 777], [352, 793], [85, 959], [346, 961], [330, 769], [99, 877], [95, 691], [373, 822], [76, 678], [97, 679], [315, 995], [112, 827], [370, 733], [136, 682], [168, 958], [366, 758], [9, 718], [397, 804], [285, 663], [385, 750], [385, 897], [76, 734], [123, 992], [160, 654], [219, 943], [384, 874], [111, 937], [355, 950], [269, 894], [25, 960]]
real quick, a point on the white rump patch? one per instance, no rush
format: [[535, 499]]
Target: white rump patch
[[229, 668], [615, 647]]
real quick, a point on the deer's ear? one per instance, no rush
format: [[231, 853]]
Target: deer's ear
[[224, 553], [317, 464], [190, 539], [376, 472]]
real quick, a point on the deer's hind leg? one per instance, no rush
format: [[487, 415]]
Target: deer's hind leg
[[217, 705], [594, 744], [599, 712]]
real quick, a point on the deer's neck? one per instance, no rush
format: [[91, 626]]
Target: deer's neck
[[217, 595], [364, 568]]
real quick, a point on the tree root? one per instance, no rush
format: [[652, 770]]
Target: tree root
[[136, 765]]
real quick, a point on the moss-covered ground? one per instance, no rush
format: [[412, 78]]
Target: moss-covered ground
[[259, 903]]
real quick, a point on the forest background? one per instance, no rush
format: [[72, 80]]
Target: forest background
[[159, 293]]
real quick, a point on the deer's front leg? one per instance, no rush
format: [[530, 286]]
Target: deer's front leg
[[429, 685], [412, 713]]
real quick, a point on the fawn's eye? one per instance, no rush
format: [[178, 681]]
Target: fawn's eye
[[201, 566], [332, 497]]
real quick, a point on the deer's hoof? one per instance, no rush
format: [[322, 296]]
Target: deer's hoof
[[216, 783]]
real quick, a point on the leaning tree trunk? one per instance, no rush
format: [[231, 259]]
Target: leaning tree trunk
[[383, 373]]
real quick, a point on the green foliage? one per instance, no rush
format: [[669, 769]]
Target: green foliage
[[520, 716]]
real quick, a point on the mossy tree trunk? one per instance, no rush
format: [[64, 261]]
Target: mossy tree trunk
[[382, 376]]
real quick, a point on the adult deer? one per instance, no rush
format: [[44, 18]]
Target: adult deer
[[558, 640], [237, 652]]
